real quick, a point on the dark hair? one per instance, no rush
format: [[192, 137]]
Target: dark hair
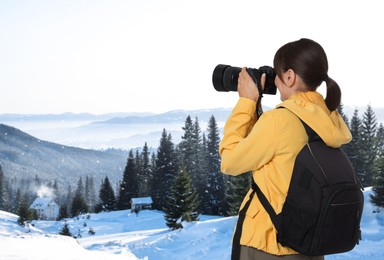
[[308, 59]]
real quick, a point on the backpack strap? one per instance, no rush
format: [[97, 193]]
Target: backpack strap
[[312, 136], [235, 255], [267, 206]]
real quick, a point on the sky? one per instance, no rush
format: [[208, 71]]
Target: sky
[[123, 235], [155, 56]]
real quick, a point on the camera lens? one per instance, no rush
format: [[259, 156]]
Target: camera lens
[[224, 78]]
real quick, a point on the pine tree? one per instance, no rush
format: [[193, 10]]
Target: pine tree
[[215, 190], [146, 172], [191, 151], [153, 175], [23, 212], [63, 212], [80, 187], [107, 197], [90, 194], [238, 188], [369, 150], [380, 140], [199, 161], [67, 199], [204, 195], [343, 115], [3, 191], [165, 170], [377, 198], [129, 185], [181, 203], [79, 205], [16, 202], [186, 147], [65, 230], [354, 150], [139, 173]]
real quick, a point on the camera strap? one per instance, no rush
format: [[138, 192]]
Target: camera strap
[[256, 79]]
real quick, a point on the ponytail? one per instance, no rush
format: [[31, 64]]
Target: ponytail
[[309, 60], [333, 97]]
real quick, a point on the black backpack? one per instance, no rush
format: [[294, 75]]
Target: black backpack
[[322, 212]]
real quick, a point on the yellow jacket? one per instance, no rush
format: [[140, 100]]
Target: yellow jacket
[[268, 148]]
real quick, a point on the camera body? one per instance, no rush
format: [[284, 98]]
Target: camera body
[[225, 77]]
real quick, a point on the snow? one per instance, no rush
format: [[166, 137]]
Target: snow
[[125, 235]]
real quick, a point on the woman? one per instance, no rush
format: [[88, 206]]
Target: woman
[[268, 145]]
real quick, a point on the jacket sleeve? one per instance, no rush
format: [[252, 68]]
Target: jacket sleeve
[[247, 145]]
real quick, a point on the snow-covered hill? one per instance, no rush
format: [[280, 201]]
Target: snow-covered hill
[[30, 243], [123, 235], [25, 156]]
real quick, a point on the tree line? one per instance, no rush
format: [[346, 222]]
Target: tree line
[[184, 180], [366, 151]]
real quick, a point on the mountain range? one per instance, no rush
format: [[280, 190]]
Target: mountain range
[[25, 156], [123, 130], [67, 146]]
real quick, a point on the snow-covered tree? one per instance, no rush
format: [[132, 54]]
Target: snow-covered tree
[[79, 205], [380, 140], [354, 150], [3, 191], [186, 148], [181, 204], [106, 196], [15, 202], [199, 160], [215, 187], [63, 212], [23, 212], [377, 197], [90, 193], [65, 230], [369, 146], [146, 171], [192, 153], [129, 186], [165, 170]]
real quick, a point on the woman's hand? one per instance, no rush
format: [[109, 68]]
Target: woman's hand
[[246, 87]]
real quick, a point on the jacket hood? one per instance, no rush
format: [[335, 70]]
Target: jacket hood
[[311, 108]]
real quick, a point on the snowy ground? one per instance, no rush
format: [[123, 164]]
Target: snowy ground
[[122, 235]]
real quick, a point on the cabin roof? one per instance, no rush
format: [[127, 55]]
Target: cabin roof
[[143, 200]]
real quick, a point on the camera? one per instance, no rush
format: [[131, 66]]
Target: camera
[[225, 78]]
